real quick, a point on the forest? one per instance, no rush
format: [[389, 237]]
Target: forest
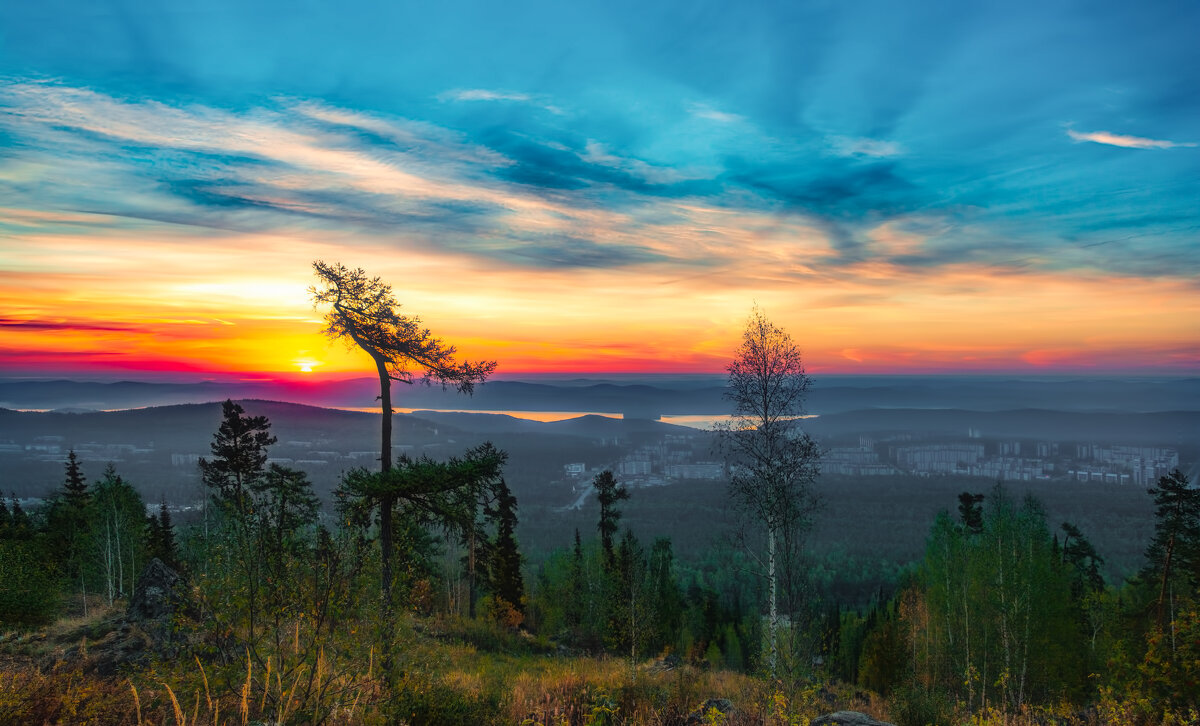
[[407, 599]]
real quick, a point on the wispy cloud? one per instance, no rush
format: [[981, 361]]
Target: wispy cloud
[[63, 325], [596, 153], [1126, 142], [874, 148], [484, 94], [704, 111]]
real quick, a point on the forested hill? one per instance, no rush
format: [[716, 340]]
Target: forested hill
[[665, 396]]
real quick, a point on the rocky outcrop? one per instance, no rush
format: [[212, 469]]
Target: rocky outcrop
[[846, 718], [158, 596]]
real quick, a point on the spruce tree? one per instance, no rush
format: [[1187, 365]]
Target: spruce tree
[[66, 521], [1174, 554], [608, 492], [971, 511], [21, 526], [75, 488], [239, 450], [506, 581], [161, 536]]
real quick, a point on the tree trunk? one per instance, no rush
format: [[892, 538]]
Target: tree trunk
[[386, 505], [772, 585], [471, 573], [385, 404], [1162, 590]]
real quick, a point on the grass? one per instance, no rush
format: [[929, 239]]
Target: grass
[[448, 672]]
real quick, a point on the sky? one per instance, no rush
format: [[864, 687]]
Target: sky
[[911, 187]]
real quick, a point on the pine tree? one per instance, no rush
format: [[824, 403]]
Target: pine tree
[[21, 526], [970, 511], [239, 450], [608, 492], [75, 488], [67, 524], [505, 565], [1174, 553], [162, 536], [1080, 555], [575, 614]]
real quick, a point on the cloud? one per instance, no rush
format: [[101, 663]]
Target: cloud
[[597, 153], [1126, 142], [874, 148], [700, 110], [483, 94], [63, 325]]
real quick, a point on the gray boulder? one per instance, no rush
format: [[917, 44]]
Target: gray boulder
[[159, 594], [846, 718]]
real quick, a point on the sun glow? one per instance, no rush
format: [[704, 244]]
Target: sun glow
[[306, 365]]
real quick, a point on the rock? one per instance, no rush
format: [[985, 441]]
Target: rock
[[721, 705], [669, 663], [846, 718], [159, 594]]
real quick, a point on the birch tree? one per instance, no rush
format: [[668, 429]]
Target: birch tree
[[116, 515], [772, 463]]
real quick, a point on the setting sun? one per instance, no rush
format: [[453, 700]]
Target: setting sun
[[306, 365]]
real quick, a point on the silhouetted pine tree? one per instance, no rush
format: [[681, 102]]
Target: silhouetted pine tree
[[21, 527], [506, 581], [162, 536], [66, 522], [608, 492], [1174, 554]]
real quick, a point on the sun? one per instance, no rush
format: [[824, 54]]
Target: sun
[[306, 365]]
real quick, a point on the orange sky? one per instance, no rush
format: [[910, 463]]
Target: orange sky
[[111, 304]]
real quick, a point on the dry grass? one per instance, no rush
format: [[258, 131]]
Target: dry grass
[[441, 683]]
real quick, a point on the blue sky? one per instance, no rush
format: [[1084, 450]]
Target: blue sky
[[1025, 140]]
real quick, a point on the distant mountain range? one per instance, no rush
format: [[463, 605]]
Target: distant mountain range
[[640, 399]]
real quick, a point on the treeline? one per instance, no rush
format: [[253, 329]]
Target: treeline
[[90, 539], [623, 597], [1005, 613]]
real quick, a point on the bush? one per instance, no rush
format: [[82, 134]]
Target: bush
[[916, 706], [29, 593]]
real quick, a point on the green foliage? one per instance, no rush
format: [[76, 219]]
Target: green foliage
[[29, 593], [970, 511], [20, 526], [884, 662], [160, 538], [66, 524], [1082, 559], [239, 455], [504, 565], [921, 706], [998, 623], [608, 493], [1173, 557], [116, 536]]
